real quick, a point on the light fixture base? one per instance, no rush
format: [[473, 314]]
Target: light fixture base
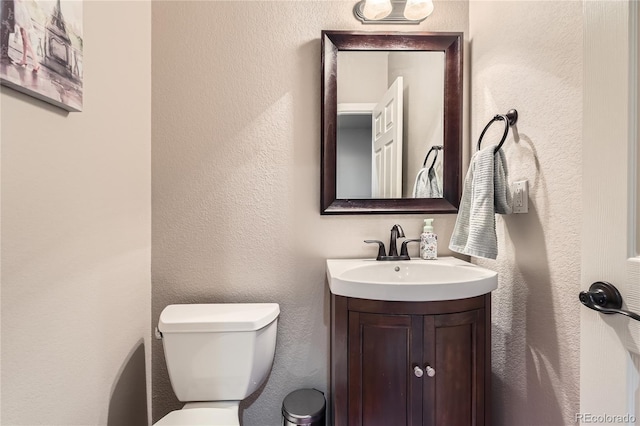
[[395, 17]]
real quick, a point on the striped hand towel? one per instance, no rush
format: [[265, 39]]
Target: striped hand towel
[[485, 193]]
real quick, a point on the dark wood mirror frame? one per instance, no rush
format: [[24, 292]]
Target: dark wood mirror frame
[[451, 45]]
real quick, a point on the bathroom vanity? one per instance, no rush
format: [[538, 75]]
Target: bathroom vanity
[[399, 362], [410, 339], [410, 363]]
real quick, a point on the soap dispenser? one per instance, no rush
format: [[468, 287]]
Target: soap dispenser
[[428, 241]]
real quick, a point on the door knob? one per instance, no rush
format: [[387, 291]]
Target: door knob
[[605, 298], [430, 371], [418, 371]]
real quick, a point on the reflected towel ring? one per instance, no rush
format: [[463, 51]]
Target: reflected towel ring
[[510, 119], [434, 148]]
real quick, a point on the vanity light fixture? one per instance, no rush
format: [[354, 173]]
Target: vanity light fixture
[[393, 11]]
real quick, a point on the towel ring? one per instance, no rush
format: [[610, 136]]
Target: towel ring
[[510, 119], [434, 148]]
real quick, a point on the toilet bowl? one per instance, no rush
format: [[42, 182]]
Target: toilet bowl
[[217, 355]]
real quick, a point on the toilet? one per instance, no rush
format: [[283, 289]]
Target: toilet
[[217, 355]]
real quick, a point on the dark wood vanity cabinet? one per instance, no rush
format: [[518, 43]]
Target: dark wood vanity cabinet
[[410, 363]]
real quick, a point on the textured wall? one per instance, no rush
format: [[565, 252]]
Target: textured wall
[[528, 56], [236, 175], [76, 224]]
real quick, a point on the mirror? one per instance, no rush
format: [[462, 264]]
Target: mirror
[[392, 122]]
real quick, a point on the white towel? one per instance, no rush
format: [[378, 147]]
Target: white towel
[[427, 184], [485, 193]]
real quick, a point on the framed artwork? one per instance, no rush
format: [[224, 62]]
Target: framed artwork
[[41, 50]]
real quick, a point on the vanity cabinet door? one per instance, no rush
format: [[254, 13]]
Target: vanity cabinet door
[[454, 347], [383, 352]]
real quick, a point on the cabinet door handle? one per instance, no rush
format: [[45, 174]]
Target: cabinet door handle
[[418, 371], [430, 371]]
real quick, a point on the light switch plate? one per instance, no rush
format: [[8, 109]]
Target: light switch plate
[[520, 195]]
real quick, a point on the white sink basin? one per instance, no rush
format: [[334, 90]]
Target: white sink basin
[[415, 280]]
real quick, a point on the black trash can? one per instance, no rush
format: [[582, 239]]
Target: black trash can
[[304, 407]]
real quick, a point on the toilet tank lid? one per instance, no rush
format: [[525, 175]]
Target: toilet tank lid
[[217, 317]]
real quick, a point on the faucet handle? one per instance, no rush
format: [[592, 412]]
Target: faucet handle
[[381, 252], [403, 248]]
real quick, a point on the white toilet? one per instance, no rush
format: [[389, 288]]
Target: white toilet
[[217, 355]]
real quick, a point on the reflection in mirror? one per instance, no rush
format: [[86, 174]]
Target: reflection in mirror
[[390, 115], [388, 100]]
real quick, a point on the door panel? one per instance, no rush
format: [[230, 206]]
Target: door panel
[[610, 344], [382, 349], [459, 364]]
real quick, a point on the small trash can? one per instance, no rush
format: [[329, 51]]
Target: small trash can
[[304, 407]]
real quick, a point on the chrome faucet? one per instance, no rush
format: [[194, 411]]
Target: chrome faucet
[[396, 232]]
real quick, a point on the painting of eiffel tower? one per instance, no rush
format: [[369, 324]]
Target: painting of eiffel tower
[[42, 55]]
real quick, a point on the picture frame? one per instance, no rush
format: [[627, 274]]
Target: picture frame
[[41, 50]]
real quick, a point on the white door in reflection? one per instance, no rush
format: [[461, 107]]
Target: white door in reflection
[[386, 179]]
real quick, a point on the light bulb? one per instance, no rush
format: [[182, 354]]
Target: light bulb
[[418, 9], [376, 9]]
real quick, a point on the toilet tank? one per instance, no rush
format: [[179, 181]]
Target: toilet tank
[[218, 351]]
